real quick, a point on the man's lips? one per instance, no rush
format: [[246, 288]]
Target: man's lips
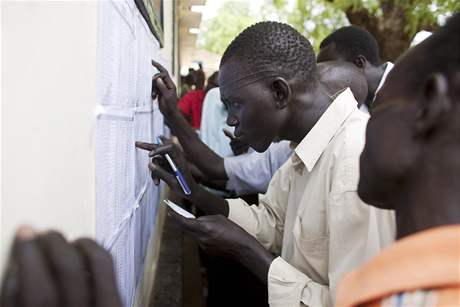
[[239, 135]]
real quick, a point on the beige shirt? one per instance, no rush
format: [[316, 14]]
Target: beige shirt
[[311, 214]]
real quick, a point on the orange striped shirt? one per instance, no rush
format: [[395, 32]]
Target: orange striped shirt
[[420, 270]]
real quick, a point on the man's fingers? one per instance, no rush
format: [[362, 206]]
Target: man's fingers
[[169, 82], [159, 66], [36, 286], [68, 269], [166, 78], [161, 173], [100, 267], [161, 85], [146, 146], [165, 140], [10, 284], [229, 134], [162, 150], [159, 75], [189, 225]]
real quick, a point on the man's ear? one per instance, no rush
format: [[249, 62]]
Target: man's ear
[[281, 92], [360, 61], [433, 105]]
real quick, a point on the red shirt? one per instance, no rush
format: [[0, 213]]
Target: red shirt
[[191, 105]]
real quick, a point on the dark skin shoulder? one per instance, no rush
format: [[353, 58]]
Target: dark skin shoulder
[[340, 74], [372, 73]]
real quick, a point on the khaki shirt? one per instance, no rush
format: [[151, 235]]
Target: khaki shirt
[[311, 214]]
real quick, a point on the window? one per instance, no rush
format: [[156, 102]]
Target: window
[[152, 11]]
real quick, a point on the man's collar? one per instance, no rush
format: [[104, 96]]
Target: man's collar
[[316, 141], [389, 66]]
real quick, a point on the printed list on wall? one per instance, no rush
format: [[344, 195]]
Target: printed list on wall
[[126, 199]]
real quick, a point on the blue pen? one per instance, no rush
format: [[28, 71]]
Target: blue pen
[[180, 178]]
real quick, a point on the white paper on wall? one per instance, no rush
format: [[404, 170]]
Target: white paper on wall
[[126, 199]]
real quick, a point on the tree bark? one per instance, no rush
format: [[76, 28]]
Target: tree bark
[[388, 29]]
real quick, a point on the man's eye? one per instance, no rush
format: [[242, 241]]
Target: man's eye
[[235, 104]]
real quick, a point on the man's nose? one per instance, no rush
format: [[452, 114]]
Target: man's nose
[[232, 121]]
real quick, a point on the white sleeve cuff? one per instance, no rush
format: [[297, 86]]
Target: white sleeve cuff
[[289, 287]]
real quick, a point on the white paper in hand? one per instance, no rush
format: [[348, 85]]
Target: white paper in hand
[[179, 210]]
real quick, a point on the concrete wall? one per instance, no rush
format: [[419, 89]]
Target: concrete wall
[[48, 99]]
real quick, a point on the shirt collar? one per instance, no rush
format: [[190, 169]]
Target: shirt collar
[[316, 141], [388, 68]]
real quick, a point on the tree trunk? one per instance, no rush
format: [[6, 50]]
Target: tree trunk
[[388, 29]]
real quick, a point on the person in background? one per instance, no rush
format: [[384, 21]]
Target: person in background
[[191, 103], [200, 77], [310, 227], [213, 120], [413, 167], [356, 45], [187, 82]]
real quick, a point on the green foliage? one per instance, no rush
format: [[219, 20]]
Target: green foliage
[[317, 18], [232, 18], [427, 13]]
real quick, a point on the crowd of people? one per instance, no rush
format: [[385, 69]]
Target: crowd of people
[[357, 160]]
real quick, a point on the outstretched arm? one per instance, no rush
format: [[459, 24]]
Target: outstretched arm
[[211, 164], [160, 169]]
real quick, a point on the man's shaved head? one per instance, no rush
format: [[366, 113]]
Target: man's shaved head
[[272, 48]]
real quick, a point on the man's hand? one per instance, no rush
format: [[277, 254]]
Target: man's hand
[[166, 91], [238, 147], [218, 235], [46, 270], [160, 169]]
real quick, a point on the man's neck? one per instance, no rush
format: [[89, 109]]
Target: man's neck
[[305, 111], [430, 199], [373, 77]]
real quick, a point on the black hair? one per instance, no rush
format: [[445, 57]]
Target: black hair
[[352, 41], [273, 46], [213, 81]]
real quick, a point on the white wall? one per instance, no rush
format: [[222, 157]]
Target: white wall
[[48, 100]]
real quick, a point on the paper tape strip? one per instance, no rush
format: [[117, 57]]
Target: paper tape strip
[[108, 244], [104, 111]]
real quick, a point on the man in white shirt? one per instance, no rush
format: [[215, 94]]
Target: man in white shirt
[[252, 172], [310, 227], [213, 120], [356, 45]]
